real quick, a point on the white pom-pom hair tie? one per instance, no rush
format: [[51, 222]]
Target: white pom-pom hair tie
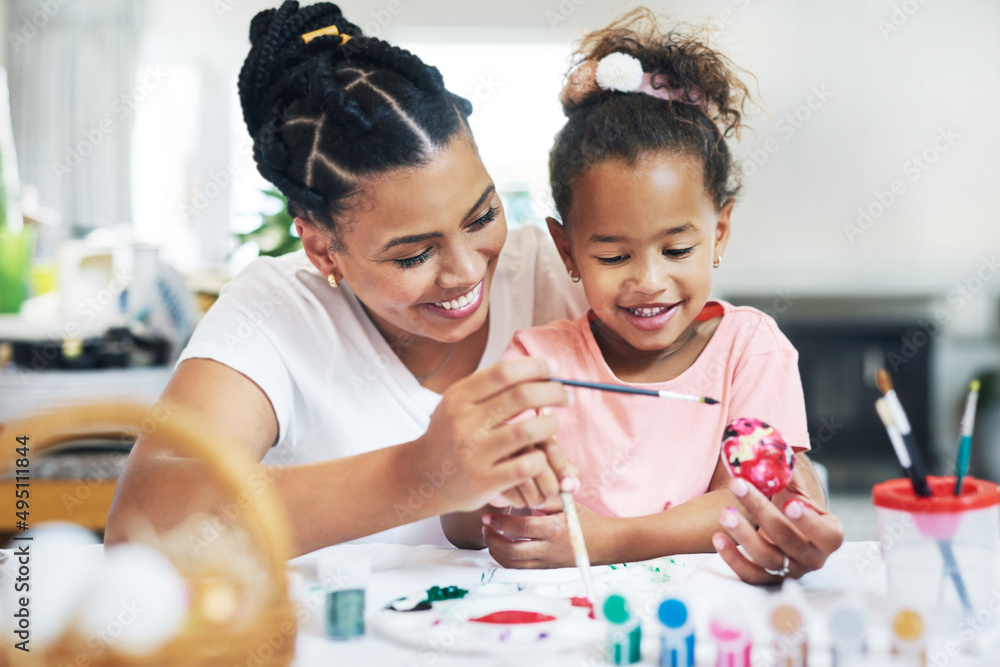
[[619, 71], [622, 73]]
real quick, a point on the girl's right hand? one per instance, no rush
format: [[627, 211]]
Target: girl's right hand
[[470, 453]]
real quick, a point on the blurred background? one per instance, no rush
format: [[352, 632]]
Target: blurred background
[[867, 226]]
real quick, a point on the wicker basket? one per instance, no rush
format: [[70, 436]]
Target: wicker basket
[[239, 613]]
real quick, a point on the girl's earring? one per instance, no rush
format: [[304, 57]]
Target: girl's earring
[[574, 278], [332, 280], [717, 262]]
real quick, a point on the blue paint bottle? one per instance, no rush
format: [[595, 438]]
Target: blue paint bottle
[[677, 635], [624, 632]]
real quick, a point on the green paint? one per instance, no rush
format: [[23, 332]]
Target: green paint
[[634, 640], [436, 593], [656, 574], [616, 609], [624, 634]]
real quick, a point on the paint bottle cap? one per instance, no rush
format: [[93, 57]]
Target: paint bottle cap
[[343, 572], [673, 613], [908, 625], [786, 619], [616, 609], [848, 628]]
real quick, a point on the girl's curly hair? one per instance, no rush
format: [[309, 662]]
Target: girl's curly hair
[[607, 124]]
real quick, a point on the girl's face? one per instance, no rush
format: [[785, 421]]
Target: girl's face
[[420, 246], [643, 239]]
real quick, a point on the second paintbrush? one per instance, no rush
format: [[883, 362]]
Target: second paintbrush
[[672, 395]]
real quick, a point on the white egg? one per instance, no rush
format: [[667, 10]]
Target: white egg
[[138, 603], [53, 571]]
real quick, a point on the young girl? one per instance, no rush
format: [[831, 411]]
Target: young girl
[[644, 183]]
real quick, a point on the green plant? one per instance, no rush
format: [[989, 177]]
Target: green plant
[[274, 235]]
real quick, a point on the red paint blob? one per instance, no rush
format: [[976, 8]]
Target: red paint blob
[[583, 602], [513, 617]]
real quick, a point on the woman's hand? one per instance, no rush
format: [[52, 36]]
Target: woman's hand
[[792, 524], [539, 542], [542, 492], [470, 454]]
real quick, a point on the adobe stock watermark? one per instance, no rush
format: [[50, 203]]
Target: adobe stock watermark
[[914, 167], [105, 638], [901, 13], [218, 182], [828, 428], [92, 306], [889, 536], [123, 107], [726, 19], [486, 87], [968, 629], [435, 479], [926, 329], [786, 127], [32, 25], [562, 12], [226, 515]]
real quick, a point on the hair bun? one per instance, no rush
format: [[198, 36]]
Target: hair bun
[[260, 24]]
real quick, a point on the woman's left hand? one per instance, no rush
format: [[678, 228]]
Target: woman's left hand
[[538, 542], [790, 524]]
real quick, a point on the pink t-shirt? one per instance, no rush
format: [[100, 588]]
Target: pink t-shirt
[[639, 455]]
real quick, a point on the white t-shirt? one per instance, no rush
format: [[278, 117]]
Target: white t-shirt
[[335, 384]]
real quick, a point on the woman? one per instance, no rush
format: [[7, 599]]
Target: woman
[[385, 329]]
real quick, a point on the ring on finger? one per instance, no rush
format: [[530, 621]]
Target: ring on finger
[[783, 571]]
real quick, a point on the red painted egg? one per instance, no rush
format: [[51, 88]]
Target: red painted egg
[[756, 452]]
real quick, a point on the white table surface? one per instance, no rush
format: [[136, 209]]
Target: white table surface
[[704, 581]]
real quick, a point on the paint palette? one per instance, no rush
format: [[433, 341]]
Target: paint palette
[[491, 623], [756, 452]]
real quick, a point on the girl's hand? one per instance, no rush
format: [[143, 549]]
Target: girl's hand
[[799, 529], [470, 454], [539, 542]]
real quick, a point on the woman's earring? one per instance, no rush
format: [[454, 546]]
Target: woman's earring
[[574, 278], [332, 280], [717, 262]]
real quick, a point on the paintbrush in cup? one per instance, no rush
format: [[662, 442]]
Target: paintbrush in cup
[[918, 481], [919, 475], [965, 436]]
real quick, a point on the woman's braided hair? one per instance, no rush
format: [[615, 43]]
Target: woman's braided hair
[[326, 114]]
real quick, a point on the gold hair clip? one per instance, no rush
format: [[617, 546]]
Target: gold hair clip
[[329, 30]]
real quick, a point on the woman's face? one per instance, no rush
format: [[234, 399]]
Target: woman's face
[[419, 246], [643, 238]]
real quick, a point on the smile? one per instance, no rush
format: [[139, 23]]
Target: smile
[[649, 317], [463, 300], [648, 312], [459, 306]]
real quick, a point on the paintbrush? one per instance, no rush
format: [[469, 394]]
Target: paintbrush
[[917, 481], [576, 539], [672, 395], [919, 476], [965, 435], [882, 408]]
